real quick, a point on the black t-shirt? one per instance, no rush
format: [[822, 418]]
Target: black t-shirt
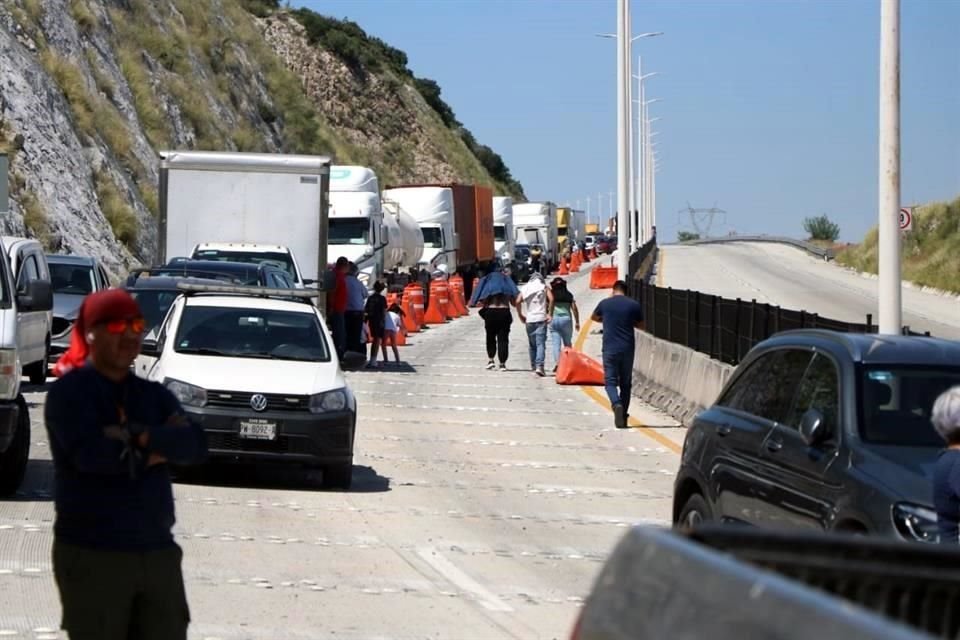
[[376, 309]]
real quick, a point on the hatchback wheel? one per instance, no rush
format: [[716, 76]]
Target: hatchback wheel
[[695, 512]]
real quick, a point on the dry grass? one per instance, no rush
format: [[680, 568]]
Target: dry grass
[[929, 252], [116, 209], [35, 217], [84, 17]]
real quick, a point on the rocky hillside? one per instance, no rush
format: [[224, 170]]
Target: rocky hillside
[[92, 89]]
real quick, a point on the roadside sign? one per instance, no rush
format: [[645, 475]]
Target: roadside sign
[[906, 219]]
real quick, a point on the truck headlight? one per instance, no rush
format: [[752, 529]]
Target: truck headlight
[[364, 278], [335, 400], [9, 374], [188, 394], [915, 522]]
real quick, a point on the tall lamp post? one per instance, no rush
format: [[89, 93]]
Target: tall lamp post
[[891, 311]]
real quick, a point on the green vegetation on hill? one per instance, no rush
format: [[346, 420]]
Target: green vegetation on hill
[[931, 251], [367, 54]]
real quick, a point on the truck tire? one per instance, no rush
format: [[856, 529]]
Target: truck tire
[[37, 372], [13, 461], [338, 476], [695, 511]]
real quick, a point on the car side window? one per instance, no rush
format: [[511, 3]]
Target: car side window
[[820, 390], [767, 391], [29, 271], [737, 395]]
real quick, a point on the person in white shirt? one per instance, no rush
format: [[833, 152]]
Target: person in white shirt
[[392, 324], [533, 306]]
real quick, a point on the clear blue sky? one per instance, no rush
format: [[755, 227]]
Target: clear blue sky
[[769, 107]]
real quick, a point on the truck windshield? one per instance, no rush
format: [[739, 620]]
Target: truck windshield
[[562, 231], [276, 259], [432, 237], [349, 231], [896, 403], [500, 232], [251, 333], [532, 236]]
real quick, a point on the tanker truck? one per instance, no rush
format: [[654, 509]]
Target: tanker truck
[[503, 229], [457, 225], [379, 240]]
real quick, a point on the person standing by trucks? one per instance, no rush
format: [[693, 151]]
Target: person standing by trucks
[[353, 316], [337, 305], [115, 561], [375, 313]]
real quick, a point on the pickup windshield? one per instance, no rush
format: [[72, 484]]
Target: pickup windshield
[[71, 279], [349, 231], [154, 305], [273, 258], [432, 237], [896, 403], [251, 333]]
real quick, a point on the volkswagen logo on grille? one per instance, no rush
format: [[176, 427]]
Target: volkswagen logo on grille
[[258, 402]]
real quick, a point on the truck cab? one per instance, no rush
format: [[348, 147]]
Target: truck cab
[[503, 240], [432, 208], [536, 223], [357, 227]]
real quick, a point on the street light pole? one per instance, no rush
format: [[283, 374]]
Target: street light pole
[[651, 214], [891, 311], [623, 155]]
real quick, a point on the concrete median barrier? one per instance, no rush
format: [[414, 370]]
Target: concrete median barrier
[[676, 379]]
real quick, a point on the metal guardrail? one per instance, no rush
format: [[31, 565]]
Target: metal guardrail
[[820, 252], [661, 584]]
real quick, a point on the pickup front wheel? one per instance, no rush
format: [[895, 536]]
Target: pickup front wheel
[[695, 512], [13, 461], [338, 476]]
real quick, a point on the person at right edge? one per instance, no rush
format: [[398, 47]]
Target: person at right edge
[[620, 315], [945, 417], [112, 434]]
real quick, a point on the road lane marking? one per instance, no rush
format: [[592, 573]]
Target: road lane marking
[[448, 570], [597, 397]]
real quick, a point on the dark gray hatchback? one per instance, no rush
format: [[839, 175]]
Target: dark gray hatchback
[[822, 430]]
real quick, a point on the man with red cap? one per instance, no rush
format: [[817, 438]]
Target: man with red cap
[[116, 564]]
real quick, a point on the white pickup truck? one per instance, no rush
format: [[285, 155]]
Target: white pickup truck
[[256, 369]]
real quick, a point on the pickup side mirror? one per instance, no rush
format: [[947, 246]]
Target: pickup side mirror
[[813, 428], [37, 297], [151, 348], [307, 282]]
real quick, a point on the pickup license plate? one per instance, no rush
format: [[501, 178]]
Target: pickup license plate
[[258, 429]]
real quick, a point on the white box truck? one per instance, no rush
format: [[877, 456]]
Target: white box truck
[[535, 223], [503, 228], [378, 237], [248, 206]]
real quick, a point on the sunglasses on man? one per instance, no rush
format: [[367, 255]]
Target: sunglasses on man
[[116, 327]]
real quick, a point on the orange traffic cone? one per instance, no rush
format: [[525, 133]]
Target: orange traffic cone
[[437, 308], [453, 310], [401, 337], [417, 310], [563, 268], [457, 300], [575, 263], [577, 368]]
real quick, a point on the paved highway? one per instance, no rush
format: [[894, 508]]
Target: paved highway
[[483, 506], [789, 277]]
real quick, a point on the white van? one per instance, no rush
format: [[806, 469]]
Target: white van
[[28, 263], [37, 297]]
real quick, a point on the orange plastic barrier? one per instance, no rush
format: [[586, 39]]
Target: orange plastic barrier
[[437, 309], [415, 293], [603, 277], [576, 368], [458, 303]]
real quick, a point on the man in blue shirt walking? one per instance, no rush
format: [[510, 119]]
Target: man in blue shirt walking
[[112, 434], [620, 315]]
